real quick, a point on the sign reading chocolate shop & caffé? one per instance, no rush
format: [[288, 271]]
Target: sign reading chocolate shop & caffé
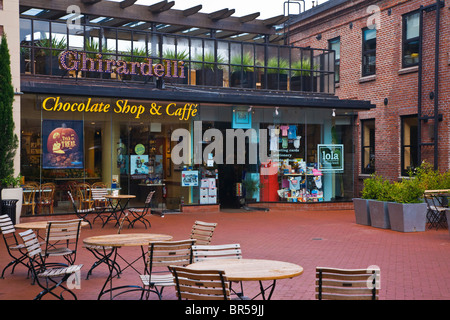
[[73, 60]]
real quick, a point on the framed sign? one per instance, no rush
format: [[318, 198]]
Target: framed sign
[[189, 178], [62, 144], [330, 157], [242, 119]]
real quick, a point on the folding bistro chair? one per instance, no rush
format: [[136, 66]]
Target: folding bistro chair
[[84, 195], [81, 213], [200, 284], [140, 214], [100, 203], [12, 245], [202, 232], [161, 254], [435, 209], [347, 284], [222, 251], [101, 258], [62, 239], [48, 279]]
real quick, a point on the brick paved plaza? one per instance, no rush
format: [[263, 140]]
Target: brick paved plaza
[[414, 266]]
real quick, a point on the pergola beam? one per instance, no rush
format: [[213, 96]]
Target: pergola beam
[[249, 17], [127, 3], [193, 10], [161, 6], [142, 13]]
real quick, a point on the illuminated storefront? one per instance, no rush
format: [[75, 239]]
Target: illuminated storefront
[[113, 105]]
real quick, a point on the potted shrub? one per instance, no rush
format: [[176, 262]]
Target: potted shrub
[[136, 55], [408, 211], [302, 76], [209, 73], [378, 207], [361, 205], [180, 56], [242, 71], [46, 60], [11, 189], [93, 49], [276, 74]]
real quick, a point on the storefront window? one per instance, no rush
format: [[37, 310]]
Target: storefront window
[[233, 154]]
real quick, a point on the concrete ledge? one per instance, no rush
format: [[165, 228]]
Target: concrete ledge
[[305, 206]]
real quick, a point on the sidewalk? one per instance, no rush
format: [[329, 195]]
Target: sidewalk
[[414, 266]]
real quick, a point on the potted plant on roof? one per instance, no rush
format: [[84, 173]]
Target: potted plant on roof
[[242, 71], [178, 56], [303, 77], [47, 56], [92, 49], [8, 139], [135, 55], [276, 74], [209, 72]]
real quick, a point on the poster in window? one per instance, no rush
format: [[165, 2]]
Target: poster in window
[[139, 164], [189, 178], [62, 144]]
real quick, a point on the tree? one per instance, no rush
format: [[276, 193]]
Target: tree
[[8, 139]]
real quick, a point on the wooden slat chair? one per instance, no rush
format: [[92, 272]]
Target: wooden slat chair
[[81, 213], [435, 208], [46, 197], [100, 203], [84, 195], [29, 194], [48, 279], [200, 284], [16, 250], [162, 254], [347, 284], [102, 257], [62, 239], [202, 232], [222, 251], [140, 214]]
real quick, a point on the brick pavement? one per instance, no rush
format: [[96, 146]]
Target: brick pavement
[[414, 266]]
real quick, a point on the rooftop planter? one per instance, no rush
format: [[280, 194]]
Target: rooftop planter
[[242, 71], [180, 56], [276, 74], [303, 78], [46, 59], [208, 72]]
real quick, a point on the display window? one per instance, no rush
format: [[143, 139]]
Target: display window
[[189, 154]]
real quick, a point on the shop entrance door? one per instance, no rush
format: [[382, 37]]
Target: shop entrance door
[[229, 176]]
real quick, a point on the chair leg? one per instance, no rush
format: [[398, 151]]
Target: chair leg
[[14, 263]]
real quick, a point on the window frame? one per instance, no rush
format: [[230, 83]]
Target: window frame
[[364, 147], [407, 41], [337, 62], [411, 146], [365, 52]]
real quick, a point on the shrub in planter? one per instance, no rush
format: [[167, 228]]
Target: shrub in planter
[[242, 71], [209, 73], [378, 207], [361, 205], [180, 56], [408, 212], [276, 74], [302, 78], [46, 60]]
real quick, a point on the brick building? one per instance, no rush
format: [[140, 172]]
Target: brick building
[[378, 56]]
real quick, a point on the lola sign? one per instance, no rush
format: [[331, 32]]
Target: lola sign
[[330, 157], [72, 60]]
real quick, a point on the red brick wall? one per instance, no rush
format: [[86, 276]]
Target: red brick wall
[[398, 85]]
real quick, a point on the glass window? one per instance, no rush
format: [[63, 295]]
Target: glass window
[[409, 143], [411, 31], [368, 146], [369, 51], [335, 44]]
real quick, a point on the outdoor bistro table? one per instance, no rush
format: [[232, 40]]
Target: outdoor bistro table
[[39, 225], [119, 206], [252, 270], [116, 241]]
